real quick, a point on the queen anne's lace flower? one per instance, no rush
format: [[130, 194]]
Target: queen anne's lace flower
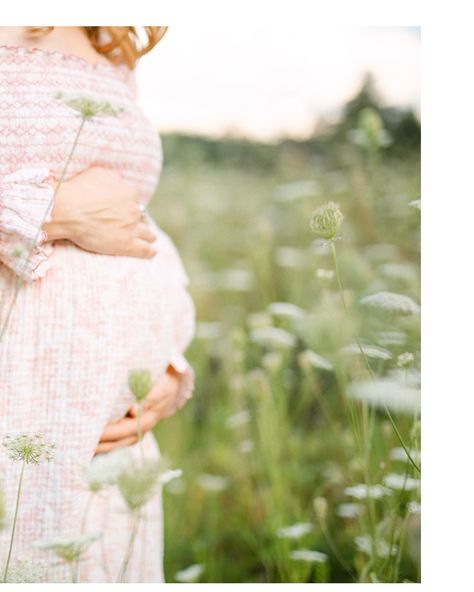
[[295, 531], [29, 448], [189, 574], [391, 302], [25, 571], [308, 555], [69, 549], [326, 220], [138, 483], [89, 107], [140, 382], [104, 469]]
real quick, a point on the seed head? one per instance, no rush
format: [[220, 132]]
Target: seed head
[[29, 448], [69, 549], [140, 382], [89, 107], [138, 483], [25, 571], [405, 359], [326, 220], [371, 123]]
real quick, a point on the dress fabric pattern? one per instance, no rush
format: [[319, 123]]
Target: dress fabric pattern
[[81, 320]]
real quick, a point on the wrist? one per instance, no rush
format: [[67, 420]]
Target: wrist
[[57, 227]]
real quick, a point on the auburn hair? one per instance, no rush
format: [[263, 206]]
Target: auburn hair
[[122, 44]]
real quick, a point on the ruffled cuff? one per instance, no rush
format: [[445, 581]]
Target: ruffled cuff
[[186, 378], [26, 203]]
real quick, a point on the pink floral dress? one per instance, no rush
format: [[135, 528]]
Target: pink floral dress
[[81, 320]]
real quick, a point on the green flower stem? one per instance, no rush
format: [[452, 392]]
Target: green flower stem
[[20, 279], [86, 511], [400, 439], [105, 516], [341, 292], [12, 536], [387, 411], [139, 430], [334, 548], [131, 540], [74, 567]]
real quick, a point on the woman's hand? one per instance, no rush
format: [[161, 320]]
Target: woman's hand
[[99, 211], [160, 403]]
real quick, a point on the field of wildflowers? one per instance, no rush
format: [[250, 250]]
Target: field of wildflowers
[[300, 448]]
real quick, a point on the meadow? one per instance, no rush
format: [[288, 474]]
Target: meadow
[[300, 447]]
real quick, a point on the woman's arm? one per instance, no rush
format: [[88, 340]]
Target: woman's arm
[[99, 211]]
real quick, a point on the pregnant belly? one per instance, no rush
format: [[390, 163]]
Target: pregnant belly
[[91, 319]]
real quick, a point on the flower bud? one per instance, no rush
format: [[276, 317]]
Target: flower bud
[[326, 220], [320, 505], [140, 382]]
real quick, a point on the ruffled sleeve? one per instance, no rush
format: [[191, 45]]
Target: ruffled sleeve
[[26, 203]]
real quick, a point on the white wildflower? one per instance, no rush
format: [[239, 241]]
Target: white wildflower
[[167, 476], [405, 359], [295, 531], [391, 338], [391, 302], [416, 204], [286, 310], [68, 548], [414, 508], [348, 510], [402, 271], [365, 545], [387, 391], [238, 419], [139, 482], [308, 555], [400, 454], [273, 337], [104, 469], [89, 106], [399, 482], [371, 351], [311, 358], [324, 274], [364, 491], [26, 571], [29, 448], [189, 574], [215, 483]]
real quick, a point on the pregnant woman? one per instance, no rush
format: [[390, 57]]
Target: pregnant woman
[[90, 288]]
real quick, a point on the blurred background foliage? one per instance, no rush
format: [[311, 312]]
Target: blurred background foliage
[[275, 453]]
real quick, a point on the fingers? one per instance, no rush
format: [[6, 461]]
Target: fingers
[[141, 248], [128, 426], [145, 232], [108, 446]]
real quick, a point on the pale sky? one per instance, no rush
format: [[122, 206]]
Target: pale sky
[[270, 79]]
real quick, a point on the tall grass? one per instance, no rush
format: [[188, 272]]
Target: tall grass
[[283, 412]]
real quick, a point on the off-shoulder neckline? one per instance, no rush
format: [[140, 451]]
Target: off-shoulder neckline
[[60, 56]]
